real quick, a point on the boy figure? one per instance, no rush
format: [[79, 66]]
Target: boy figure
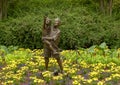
[[51, 41], [47, 32]]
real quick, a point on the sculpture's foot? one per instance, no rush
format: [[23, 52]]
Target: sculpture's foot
[[55, 73], [62, 72]]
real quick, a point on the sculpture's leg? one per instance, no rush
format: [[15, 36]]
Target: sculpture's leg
[[46, 62], [59, 61]]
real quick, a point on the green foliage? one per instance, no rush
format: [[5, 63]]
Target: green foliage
[[22, 32], [7, 50], [82, 25]]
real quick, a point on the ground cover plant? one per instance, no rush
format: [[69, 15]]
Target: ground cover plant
[[96, 65]]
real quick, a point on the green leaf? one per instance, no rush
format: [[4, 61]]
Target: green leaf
[[103, 45], [91, 49]]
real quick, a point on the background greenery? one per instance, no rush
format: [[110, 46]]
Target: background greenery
[[82, 23]]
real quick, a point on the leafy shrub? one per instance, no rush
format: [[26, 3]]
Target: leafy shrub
[[22, 32]]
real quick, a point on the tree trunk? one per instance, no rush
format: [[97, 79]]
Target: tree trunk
[[3, 9], [0, 9], [110, 7], [102, 6], [106, 6]]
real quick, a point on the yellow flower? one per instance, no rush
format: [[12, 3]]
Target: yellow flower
[[89, 80], [100, 83], [46, 74], [96, 68], [10, 82], [108, 79], [95, 78], [111, 64], [38, 81], [35, 70], [79, 77], [66, 69], [57, 77], [115, 75], [24, 68], [72, 71], [84, 64], [92, 74], [76, 82], [33, 77]]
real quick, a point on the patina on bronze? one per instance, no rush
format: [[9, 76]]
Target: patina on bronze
[[51, 38]]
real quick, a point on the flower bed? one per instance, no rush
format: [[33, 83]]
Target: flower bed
[[27, 67]]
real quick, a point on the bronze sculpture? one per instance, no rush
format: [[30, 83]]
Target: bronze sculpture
[[50, 38]]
